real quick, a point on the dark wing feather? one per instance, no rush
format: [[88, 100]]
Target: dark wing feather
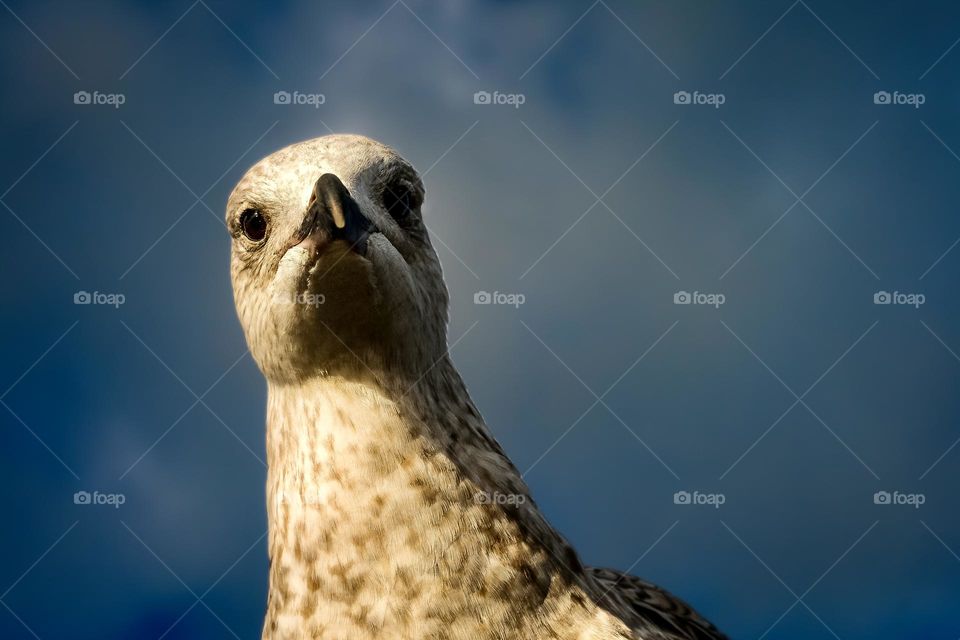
[[654, 607]]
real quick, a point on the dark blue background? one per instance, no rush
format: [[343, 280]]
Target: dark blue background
[[130, 201]]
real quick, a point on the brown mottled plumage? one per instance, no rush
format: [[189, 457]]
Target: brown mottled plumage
[[393, 512]]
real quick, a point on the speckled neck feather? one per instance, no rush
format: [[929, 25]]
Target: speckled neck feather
[[379, 526]]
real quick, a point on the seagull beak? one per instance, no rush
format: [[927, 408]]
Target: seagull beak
[[332, 214]]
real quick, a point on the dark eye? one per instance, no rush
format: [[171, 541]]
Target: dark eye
[[398, 200], [253, 224]]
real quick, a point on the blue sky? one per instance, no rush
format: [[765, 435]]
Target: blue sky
[[798, 199]]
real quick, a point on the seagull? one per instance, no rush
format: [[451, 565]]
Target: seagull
[[393, 512]]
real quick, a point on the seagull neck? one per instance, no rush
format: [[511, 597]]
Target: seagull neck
[[323, 431], [377, 496], [381, 411]]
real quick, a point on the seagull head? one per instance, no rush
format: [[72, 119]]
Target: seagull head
[[332, 267]]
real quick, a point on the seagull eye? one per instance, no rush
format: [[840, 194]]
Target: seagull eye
[[253, 225], [398, 200]]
